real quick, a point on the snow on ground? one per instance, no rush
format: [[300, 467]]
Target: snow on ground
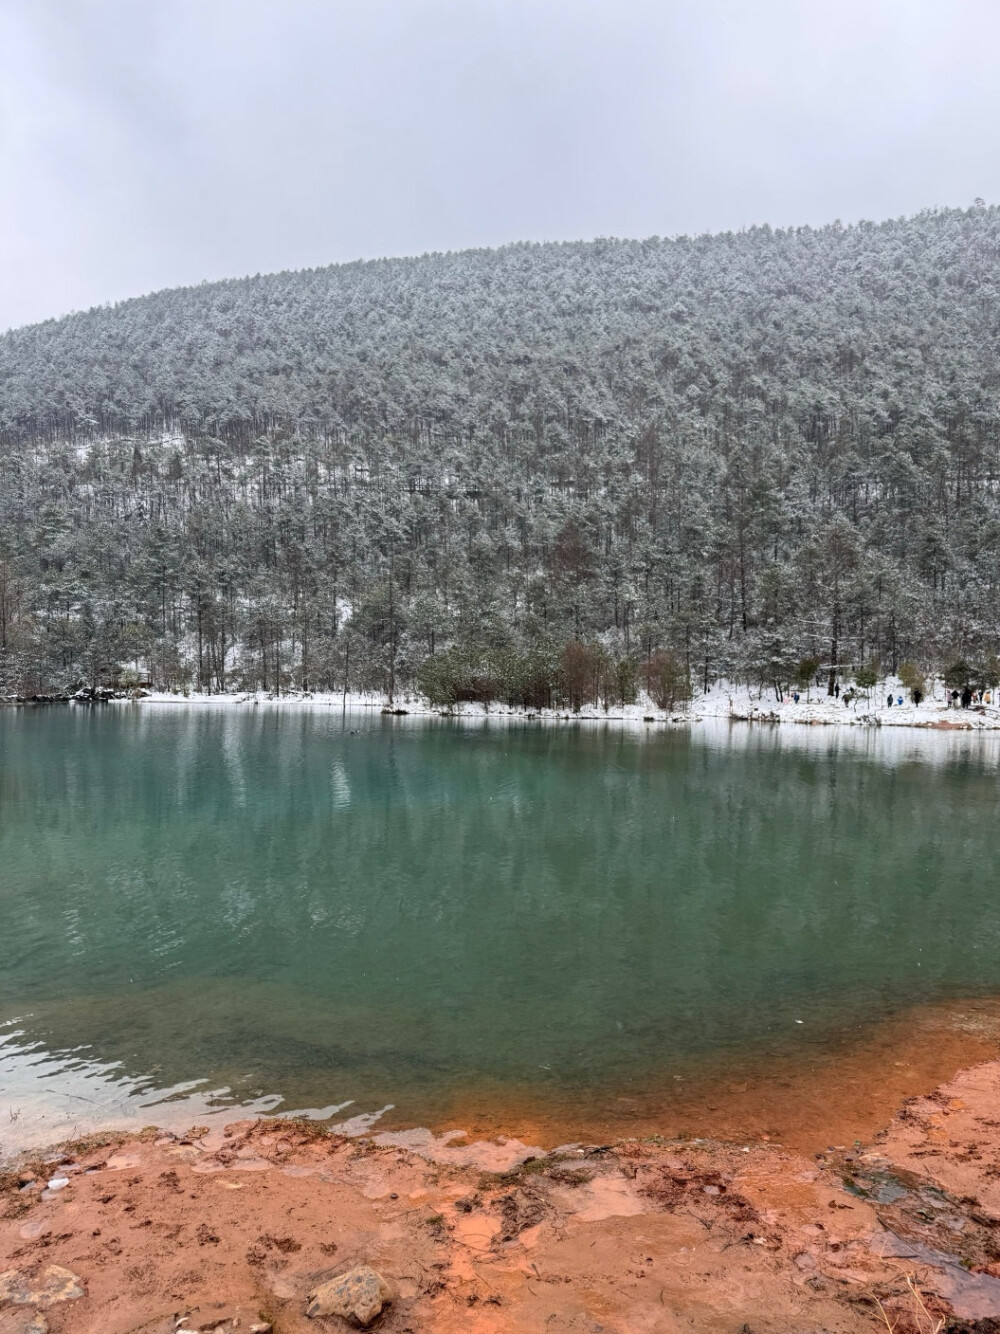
[[723, 702]]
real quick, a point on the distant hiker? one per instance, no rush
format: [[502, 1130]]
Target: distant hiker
[[836, 689], [795, 697], [889, 701], [966, 697], [917, 696], [954, 698]]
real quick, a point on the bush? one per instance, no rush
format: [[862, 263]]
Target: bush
[[529, 679], [913, 681], [806, 671], [450, 677], [459, 675], [667, 680], [583, 672], [958, 675], [626, 680]]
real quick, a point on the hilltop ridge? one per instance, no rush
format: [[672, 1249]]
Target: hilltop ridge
[[546, 470]]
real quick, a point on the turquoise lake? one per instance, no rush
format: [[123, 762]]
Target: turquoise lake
[[309, 909]]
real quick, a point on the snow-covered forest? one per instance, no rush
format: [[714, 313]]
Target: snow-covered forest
[[542, 472]]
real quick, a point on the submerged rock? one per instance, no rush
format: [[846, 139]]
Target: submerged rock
[[360, 1295]]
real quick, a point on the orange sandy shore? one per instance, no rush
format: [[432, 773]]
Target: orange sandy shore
[[875, 1197]]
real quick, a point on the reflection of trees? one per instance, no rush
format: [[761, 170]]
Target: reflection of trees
[[250, 891]]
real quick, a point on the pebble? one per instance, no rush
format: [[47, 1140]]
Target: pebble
[[36, 1227]]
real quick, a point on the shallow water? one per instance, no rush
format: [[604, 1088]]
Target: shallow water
[[310, 909]]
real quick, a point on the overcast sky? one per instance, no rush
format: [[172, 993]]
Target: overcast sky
[[150, 143]]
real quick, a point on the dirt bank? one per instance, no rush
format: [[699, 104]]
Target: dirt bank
[[645, 1235]]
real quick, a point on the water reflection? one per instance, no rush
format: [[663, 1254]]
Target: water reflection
[[333, 908]]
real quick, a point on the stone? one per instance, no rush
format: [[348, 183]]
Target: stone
[[210, 1318], [23, 1322], [54, 1284], [214, 1318], [360, 1295], [201, 1320]]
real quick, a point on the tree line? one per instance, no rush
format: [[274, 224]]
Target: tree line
[[545, 474]]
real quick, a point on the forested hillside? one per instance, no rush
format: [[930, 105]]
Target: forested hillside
[[545, 471]]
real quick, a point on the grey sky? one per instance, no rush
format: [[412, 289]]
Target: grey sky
[[149, 143]]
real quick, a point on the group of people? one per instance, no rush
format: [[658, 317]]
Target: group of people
[[850, 694], [964, 698], [967, 697]]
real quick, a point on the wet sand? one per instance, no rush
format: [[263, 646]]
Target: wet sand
[[805, 1099], [806, 1095]]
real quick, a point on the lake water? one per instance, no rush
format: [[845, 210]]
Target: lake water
[[307, 909]]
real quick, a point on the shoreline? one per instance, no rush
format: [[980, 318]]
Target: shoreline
[[721, 704], [235, 1226], [716, 707], [839, 1089]]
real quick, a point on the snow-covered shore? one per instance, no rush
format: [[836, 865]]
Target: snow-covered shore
[[722, 703]]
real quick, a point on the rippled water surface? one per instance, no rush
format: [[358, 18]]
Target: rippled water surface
[[254, 905]]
